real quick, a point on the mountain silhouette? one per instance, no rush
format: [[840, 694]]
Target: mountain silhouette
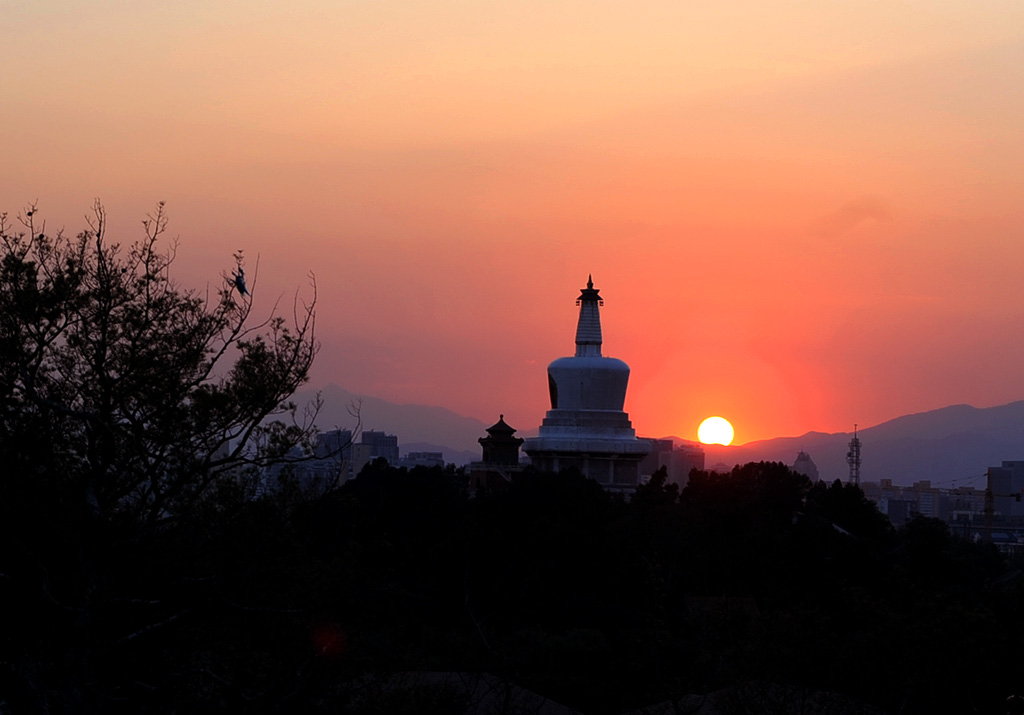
[[950, 445], [418, 427]]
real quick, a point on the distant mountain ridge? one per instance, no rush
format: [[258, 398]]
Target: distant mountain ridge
[[954, 444], [951, 444], [420, 428]]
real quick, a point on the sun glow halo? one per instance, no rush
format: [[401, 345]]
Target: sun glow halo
[[715, 430]]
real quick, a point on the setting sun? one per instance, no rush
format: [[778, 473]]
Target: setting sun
[[715, 430]]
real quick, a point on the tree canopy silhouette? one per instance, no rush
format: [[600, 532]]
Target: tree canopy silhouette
[[128, 405], [143, 570]]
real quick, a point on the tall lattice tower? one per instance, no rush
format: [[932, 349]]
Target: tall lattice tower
[[853, 458]]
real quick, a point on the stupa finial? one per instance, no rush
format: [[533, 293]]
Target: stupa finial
[[588, 329]]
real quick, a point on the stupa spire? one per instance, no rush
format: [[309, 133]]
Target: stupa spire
[[588, 329], [587, 428]]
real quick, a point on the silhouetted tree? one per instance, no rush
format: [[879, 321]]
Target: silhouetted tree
[[845, 506], [656, 491], [129, 408]]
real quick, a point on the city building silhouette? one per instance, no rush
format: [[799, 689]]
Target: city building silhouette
[[806, 466]]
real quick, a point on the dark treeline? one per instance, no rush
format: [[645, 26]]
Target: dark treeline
[[604, 605], [146, 568]]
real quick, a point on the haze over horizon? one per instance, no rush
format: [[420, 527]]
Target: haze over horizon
[[800, 217]]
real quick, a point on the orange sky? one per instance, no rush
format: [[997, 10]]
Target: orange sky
[[800, 217]]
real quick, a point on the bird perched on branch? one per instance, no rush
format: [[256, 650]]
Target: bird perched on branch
[[239, 279]]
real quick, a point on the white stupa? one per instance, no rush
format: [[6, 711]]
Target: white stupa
[[586, 427]]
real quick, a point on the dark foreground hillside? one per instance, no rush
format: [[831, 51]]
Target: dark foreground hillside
[[755, 583]]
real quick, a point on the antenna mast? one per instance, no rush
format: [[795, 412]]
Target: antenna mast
[[853, 458]]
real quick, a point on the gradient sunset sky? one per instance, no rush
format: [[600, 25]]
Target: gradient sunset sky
[[801, 215]]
